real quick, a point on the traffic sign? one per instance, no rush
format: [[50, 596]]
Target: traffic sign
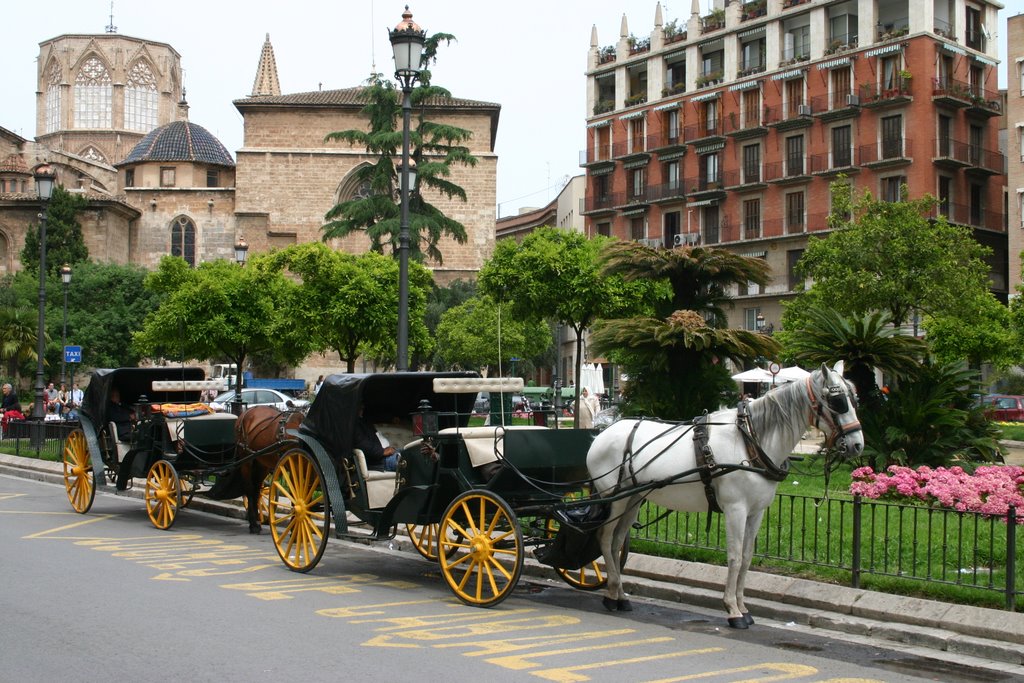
[[72, 354]]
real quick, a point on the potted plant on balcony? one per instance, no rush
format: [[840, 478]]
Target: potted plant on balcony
[[754, 9], [606, 54], [638, 98], [905, 77], [673, 32], [638, 44], [714, 21]]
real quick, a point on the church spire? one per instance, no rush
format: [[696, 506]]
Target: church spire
[[266, 82]]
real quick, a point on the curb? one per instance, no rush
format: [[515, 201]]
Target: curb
[[959, 630]]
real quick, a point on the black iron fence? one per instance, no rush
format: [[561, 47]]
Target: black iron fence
[[20, 437], [867, 537]]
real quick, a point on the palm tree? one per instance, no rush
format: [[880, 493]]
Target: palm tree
[[863, 342], [17, 341], [674, 359]]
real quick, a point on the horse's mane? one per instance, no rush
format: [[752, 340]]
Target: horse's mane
[[777, 408]]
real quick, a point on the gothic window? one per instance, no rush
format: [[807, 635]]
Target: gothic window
[[93, 93], [141, 103], [183, 239], [53, 98]]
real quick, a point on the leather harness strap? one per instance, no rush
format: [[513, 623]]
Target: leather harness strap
[[758, 458], [705, 461]]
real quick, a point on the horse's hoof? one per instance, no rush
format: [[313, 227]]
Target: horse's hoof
[[625, 606], [255, 529], [738, 622], [747, 618], [610, 605]]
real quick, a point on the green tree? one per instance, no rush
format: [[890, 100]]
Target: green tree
[[221, 310], [888, 256], [434, 148], [557, 274], [674, 357], [981, 333], [440, 300], [64, 240], [862, 342], [349, 304], [17, 340], [468, 336]]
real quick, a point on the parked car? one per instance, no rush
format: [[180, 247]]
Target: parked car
[[258, 397], [1004, 407], [483, 403]]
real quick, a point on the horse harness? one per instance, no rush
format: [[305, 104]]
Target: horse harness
[[704, 457]]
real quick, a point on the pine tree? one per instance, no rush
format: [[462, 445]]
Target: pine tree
[[64, 240]]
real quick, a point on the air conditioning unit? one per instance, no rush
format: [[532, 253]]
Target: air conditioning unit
[[652, 243], [688, 239], [853, 100], [803, 110]]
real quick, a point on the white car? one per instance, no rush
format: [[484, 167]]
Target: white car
[[258, 397]]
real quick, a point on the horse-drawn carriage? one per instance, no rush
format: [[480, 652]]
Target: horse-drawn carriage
[[149, 422], [474, 498]]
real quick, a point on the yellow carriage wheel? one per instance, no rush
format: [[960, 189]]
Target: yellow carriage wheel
[[589, 577], [78, 473], [263, 502], [298, 510], [424, 539], [163, 494], [481, 548]]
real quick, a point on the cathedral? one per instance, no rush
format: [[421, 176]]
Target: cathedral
[[112, 121]]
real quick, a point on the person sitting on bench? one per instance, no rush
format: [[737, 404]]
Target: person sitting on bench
[[379, 454], [120, 415]]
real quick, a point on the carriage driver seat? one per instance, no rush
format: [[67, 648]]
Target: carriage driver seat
[[121, 447]]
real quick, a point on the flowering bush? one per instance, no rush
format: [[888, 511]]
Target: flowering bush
[[989, 491]]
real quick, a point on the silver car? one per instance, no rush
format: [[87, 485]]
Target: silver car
[[259, 397]]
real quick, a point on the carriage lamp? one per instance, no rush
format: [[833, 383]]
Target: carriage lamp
[[407, 40], [424, 420]]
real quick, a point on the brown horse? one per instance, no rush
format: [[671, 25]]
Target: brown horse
[[259, 428]]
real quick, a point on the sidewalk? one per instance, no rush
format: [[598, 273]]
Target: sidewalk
[[969, 636]]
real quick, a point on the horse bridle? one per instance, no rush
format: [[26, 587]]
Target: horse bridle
[[836, 403]]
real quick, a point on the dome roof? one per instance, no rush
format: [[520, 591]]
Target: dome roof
[[180, 141]]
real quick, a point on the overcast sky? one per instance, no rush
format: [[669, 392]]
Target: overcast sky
[[529, 56]]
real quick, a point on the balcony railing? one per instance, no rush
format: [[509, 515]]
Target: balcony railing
[[944, 29], [973, 216], [842, 161], [788, 169], [893, 29], [894, 149], [705, 129], [952, 152], [667, 191], [879, 95], [837, 103], [664, 139], [985, 161]]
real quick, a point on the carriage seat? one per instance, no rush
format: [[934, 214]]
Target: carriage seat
[[121, 447], [380, 486], [484, 444], [207, 433]]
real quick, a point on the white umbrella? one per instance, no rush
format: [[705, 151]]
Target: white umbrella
[[754, 375], [598, 379], [791, 374]]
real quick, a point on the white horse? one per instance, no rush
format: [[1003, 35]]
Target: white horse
[[634, 460]]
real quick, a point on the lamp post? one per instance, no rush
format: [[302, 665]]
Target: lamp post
[[407, 41], [45, 178], [65, 277], [241, 255]]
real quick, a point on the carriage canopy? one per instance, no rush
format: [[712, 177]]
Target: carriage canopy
[[384, 398], [133, 383]]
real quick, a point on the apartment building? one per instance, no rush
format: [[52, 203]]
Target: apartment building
[[1015, 145], [728, 128]]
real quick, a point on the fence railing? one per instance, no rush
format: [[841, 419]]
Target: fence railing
[[908, 542], [18, 437]]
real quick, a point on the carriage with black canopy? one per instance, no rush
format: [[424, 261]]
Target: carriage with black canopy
[[472, 498], [149, 422]]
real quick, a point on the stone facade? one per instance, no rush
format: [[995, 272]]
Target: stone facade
[[1015, 145]]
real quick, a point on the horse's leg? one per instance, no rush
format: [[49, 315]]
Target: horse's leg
[[252, 479], [749, 535], [613, 537], [735, 536]]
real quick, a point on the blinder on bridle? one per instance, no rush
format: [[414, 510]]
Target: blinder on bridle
[[837, 400]]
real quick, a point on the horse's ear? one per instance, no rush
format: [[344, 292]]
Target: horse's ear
[[839, 367], [824, 371]]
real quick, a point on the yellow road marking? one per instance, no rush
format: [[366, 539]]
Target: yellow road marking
[[367, 610], [568, 673], [427, 620], [75, 525], [8, 496], [471, 629], [503, 645], [786, 672]]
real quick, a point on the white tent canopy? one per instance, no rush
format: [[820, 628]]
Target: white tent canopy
[[791, 374], [754, 375]]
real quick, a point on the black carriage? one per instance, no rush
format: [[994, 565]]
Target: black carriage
[[473, 498], [159, 430]]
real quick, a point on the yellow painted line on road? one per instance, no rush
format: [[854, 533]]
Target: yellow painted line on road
[[470, 629], [786, 672], [428, 620], [368, 610], [505, 645], [75, 525], [565, 674], [9, 496], [285, 589]]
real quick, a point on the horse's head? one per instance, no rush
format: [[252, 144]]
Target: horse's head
[[833, 408]]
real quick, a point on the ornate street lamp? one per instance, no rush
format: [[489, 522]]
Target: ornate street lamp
[[407, 41], [241, 256], [65, 277], [45, 179]]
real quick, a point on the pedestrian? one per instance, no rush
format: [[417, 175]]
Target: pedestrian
[[319, 383], [52, 398], [76, 401], [589, 407]]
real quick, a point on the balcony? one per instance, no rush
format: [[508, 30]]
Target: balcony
[[741, 128], [835, 106], [666, 142], [601, 203], [951, 92], [630, 148], [788, 172], [984, 103], [897, 28], [984, 162], [972, 216], [832, 163], [879, 97], [705, 188], [744, 180], [667, 192], [783, 118], [704, 132], [890, 152], [951, 154], [753, 9], [944, 29], [713, 22]]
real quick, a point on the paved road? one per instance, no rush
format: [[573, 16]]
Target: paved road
[[105, 594]]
